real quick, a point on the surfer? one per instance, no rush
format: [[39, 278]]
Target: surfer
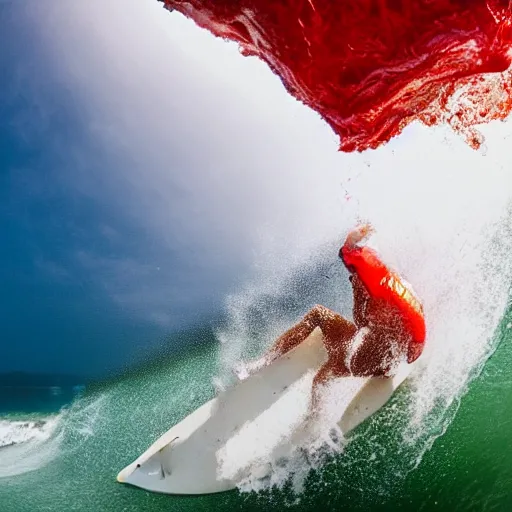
[[388, 326]]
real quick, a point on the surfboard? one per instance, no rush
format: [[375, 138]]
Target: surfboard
[[223, 441]]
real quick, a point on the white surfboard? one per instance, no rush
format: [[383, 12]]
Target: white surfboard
[[229, 437]]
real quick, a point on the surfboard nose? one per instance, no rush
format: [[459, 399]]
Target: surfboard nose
[[121, 477], [125, 474]]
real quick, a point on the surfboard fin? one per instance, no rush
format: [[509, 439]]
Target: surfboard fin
[[165, 471]]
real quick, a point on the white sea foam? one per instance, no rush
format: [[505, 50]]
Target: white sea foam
[[28, 445], [16, 432]]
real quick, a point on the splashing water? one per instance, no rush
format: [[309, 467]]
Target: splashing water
[[449, 231]]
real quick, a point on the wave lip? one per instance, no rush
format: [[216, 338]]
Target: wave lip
[[371, 68]]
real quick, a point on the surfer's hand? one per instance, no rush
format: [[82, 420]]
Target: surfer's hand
[[358, 234]]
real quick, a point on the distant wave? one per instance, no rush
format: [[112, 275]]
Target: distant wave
[[26, 445], [16, 432], [30, 442]]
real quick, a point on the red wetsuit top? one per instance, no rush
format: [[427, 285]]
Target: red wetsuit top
[[382, 283]]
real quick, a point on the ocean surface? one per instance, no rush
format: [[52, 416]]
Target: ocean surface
[[66, 457]]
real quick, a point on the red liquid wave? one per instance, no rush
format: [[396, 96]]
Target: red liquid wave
[[371, 67]]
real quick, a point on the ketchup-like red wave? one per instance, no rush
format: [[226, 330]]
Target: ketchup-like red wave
[[370, 67]]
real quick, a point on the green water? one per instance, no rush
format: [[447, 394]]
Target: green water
[[467, 468]]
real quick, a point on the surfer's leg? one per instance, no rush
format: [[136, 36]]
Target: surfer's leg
[[337, 331], [334, 368], [286, 342]]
